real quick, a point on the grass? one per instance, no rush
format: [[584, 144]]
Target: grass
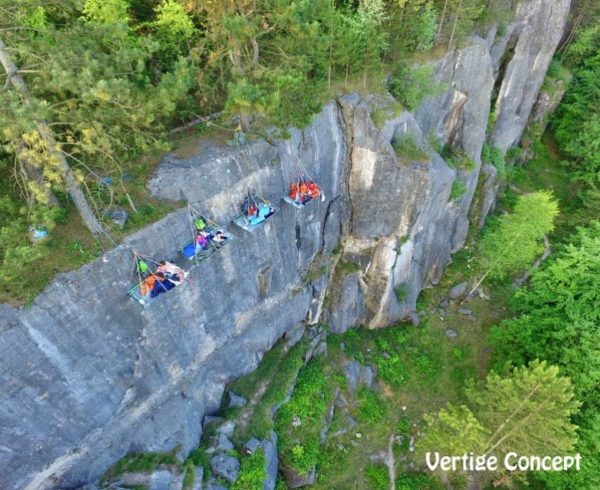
[[458, 190], [266, 388], [408, 150], [252, 472], [300, 421], [378, 477], [456, 158], [379, 116], [347, 267], [401, 292], [141, 463], [70, 246], [190, 475]]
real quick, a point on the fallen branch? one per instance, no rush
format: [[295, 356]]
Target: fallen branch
[[195, 122]]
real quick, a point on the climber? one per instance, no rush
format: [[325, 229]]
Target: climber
[[142, 266], [202, 241], [171, 271], [294, 192], [161, 285], [313, 190], [147, 285], [219, 239], [303, 189]]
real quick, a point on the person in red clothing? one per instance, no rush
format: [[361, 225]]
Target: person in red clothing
[[294, 192], [313, 190]]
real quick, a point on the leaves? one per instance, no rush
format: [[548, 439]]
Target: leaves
[[514, 241], [528, 409]]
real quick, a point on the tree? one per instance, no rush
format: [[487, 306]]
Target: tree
[[85, 110], [371, 15], [577, 128], [454, 430], [48, 145], [529, 409], [514, 240], [558, 317]]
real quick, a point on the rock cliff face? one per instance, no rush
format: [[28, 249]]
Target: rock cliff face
[[524, 54], [88, 375]]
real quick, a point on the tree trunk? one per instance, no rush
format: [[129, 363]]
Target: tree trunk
[[442, 20], [454, 24], [47, 135]]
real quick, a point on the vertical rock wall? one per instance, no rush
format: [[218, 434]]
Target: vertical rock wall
[[88, 376]]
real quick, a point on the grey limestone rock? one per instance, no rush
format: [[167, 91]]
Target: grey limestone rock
[[272, 462], [458, 290], [535, 34], [236, 400], [225, 466]]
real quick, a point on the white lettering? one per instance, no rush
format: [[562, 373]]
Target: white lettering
[[507, 464], [432, 466]]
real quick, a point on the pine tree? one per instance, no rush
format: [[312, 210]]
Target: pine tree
[[529, 409], [514, 241]]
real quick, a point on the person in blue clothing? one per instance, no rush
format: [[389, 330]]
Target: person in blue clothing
[[264, 211], [161, 285]]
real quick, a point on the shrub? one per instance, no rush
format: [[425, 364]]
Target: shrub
[[408, 149], [401, 291], [458, 190], [391, 370], [252, 472], [417, 481], [346, 267], [370, 407], [493, 155], [377, 476], [411, 85]]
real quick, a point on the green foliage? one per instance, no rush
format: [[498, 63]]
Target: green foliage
[[411, 85], [458, 189], [299, 446], [585, 46], [529, 409], [457, 158], [140, 463], [106, 11], [558, 317], [279, 369], [391, 369], [435, 142], [417, 481], [347, 267], [377, 476], [453, 430], [252, 472], [189, 476], [408, 149], [513, 242], [370, 408], [494, 156], [415, 24], [577, 129], [401, 292]]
